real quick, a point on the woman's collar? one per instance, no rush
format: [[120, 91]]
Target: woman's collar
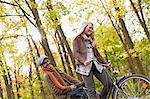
[[86, 38]]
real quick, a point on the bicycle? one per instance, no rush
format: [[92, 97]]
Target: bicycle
[[134, 86]]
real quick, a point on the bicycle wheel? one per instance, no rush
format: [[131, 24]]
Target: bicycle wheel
[[135, 86]]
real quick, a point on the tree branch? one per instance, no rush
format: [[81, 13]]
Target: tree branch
[[29, 6], [8, 3], [13, 36], [9, 15], [25, 14]]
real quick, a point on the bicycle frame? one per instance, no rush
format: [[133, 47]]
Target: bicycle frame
[[116, 86]]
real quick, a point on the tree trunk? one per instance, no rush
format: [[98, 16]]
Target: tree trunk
[[36, 48], [125, 32], [59, 50], [1, 90], [7, 74], [65, 54], [116, 29], [36, 67], [30, 82], [30, 71], [129, 43], [7, 85], [141, 20], [17, 84], [59, 29], [43, 34], [68, 49]]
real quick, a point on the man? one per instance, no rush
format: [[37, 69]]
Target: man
[[61, 85]]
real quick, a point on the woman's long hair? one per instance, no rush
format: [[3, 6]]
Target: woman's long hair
[[82, 29]]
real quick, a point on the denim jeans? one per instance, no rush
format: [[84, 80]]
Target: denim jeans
[[76, 91], [103, 77]]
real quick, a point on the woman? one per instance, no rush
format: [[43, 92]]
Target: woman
[[89, 61]]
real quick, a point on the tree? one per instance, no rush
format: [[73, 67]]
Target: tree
[[133, 57], [141, 19], [65, 44], [8, 86], [1, 90], [41, 31]]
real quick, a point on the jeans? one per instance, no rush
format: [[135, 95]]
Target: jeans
[[103, 77], [76, 91]]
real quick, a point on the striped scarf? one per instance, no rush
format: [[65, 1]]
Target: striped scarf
[[50, 72]]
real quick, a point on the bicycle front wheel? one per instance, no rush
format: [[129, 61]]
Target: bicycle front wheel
[[132, 87]]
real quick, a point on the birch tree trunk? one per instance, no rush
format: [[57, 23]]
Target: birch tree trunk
[[30, 72], [60, 31], [1, 90], [6, 81], [42, 32], [35, 46], [58, 43], [141, 19], [134, 61], [36, 68], [17, 84], [65, 54]]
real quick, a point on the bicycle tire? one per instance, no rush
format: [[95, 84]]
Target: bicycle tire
[[137, 81]]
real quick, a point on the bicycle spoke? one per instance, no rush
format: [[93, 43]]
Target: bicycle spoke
[[138, 88], [128, 88], [133, 87], [144, 90], [123, 91]]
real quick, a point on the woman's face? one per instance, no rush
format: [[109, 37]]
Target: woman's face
[[89, 30]]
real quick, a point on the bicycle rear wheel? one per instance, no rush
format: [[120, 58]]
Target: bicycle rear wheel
[[135, 86]]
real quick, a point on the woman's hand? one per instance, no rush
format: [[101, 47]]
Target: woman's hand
[[86, 62], [109, 64]]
